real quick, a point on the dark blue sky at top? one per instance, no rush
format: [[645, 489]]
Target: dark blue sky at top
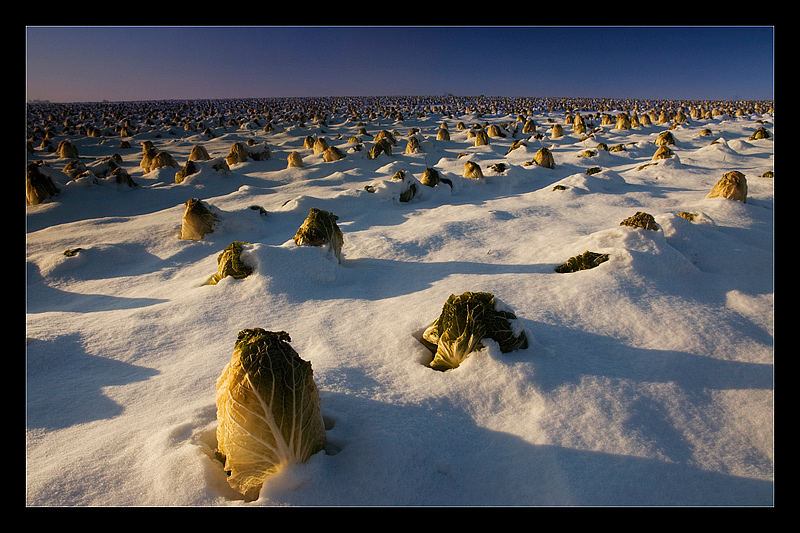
[[82, 64]]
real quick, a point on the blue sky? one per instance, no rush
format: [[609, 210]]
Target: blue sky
[[80, 64]]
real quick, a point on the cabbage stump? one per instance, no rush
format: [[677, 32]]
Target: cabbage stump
[[268, 410]]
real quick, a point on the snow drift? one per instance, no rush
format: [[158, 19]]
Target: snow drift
[[646, 380]]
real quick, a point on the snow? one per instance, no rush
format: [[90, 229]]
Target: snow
[[648, 380]]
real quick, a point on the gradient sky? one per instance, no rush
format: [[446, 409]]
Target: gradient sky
[[84, 64]]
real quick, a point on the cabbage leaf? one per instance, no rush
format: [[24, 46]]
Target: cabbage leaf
[[465, 320], [268, 410]]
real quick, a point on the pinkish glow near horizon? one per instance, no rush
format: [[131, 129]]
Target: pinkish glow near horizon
[[91, 64]]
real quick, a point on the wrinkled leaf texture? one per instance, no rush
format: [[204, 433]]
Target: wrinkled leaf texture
[[319, 229], [230, 263], [465, 320], [268, 409]]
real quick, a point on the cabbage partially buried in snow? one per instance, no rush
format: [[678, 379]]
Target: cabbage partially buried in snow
[[39, 186], [585, 261], [230, 263], [641, 220], [198, 220], [320, 229], [467, 319], [732, 185], [268, 410]]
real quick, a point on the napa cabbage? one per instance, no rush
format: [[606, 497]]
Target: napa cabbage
[[229, 263], [585, 261], [198, 220], [464, 322], [320, 229], [268, 410]]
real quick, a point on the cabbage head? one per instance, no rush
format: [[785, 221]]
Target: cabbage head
[[198, 220], [268, 410], [464, 321], [230, 263], [319, 229], [585, 261]]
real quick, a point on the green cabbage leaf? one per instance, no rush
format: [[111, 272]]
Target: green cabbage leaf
[[268, 410]]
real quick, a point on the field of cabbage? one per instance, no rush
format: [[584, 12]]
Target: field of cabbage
[[646, 380]]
